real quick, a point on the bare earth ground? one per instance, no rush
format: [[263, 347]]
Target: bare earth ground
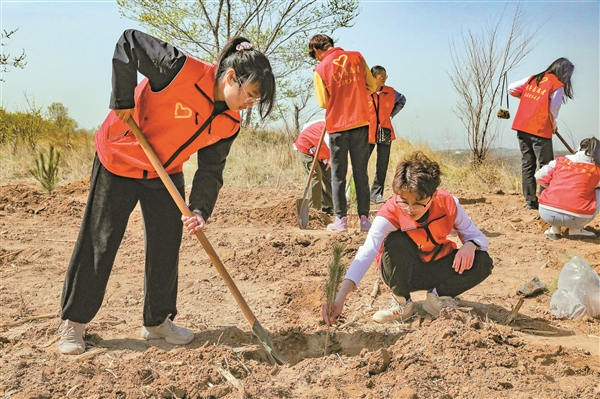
[[281, 271]]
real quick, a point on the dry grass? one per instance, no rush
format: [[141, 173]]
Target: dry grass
[[264, 158]]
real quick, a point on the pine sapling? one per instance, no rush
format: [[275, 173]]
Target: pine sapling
[[336, 275], [46, 170]]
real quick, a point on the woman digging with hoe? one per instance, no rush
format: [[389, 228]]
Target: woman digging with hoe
[[184, 106], [409, 239]]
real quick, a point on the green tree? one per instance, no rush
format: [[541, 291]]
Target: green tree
[[59, 115], [7, 60], [279, 28]]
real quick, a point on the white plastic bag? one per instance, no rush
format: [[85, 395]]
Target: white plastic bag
[[578, 291]]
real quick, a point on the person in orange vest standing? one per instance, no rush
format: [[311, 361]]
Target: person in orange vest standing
[[409, 241], [541, 96], [571, 197], [320, 182], [342, 83], [183, 106], [384, 104]]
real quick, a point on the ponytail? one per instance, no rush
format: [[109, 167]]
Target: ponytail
[[591, 148], [250, 66]]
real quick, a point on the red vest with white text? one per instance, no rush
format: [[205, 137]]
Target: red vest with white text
[[309, 137], [343, 73], [570, 186], [431, 235], [533, 115], [384, 103], [176, 121]]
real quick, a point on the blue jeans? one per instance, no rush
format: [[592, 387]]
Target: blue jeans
[[556, 218]]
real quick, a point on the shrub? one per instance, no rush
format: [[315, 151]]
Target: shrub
[[46, 170]]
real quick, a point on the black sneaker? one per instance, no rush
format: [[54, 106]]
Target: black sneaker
[[531, 205]]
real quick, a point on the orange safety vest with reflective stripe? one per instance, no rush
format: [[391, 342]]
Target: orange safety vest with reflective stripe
[[533, 115], [343, 74], [381, 105], [177, 121], [429, 236]]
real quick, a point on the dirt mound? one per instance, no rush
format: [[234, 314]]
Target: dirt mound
[[284, 213], [281, 270], [68, 200]]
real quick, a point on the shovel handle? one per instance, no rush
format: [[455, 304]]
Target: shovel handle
[[568, 147], [315, 160], [162, 173]]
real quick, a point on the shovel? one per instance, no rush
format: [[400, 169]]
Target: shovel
[[303, 203], [257, 329], [567, 146]]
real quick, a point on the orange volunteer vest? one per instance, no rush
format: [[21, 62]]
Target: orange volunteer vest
[[570, 186], [382, 104], [533, 115], [309, 137], [177, 121], [430, 236], [343, 73]]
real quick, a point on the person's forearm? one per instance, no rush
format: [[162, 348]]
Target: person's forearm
[[345, 288]]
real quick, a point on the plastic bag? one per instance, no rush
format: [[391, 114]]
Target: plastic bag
[[578, 291]]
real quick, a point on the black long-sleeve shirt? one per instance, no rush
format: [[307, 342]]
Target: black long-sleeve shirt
[[160, 62]]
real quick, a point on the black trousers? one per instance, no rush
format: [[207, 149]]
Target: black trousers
[[111, 200], [534, 150], [383, 159], [404, 272], [355, 142]]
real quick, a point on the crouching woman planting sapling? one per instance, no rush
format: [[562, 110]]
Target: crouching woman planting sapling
[[409, 240]]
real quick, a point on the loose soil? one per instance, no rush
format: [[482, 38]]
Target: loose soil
[[281, 271]]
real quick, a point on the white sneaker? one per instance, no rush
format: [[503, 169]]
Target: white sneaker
[[71, 338], [395, 312], [170, 332], [581, 233], [433, 303], [553, 232]]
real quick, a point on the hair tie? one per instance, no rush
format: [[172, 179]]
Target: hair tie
[[244, 46]]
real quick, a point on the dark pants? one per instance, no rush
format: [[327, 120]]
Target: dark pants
[[111, 200], [355, 142], [404, 272], [319, 190], [534, 150], [383, 159]]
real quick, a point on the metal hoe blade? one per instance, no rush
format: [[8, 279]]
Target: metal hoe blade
[[264, 339], [302, 205]]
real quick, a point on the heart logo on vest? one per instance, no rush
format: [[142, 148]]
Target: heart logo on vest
[[340, 61], [182, 112]]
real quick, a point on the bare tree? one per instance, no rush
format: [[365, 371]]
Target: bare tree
[[279, 28], [479, 66], [6, 60]]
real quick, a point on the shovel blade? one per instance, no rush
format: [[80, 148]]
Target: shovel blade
[[302, 205], [264, 339]]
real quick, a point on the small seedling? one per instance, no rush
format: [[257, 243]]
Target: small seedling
[[336, 275], [46, 169]]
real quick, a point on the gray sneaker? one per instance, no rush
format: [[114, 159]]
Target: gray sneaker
[[396, 312], [71, 338], [170, 332], [433, 303]]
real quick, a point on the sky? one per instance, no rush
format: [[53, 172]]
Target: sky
[[69, 45]]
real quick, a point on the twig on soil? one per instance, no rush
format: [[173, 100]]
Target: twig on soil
[[348, 323], [232, 380], [219, 339], [341, 361], [90, 354], [172, 393], [57, 240], [51, 342], [242, 363], [374, 292], [513, 226], [73, 388], [27, 319], [111, 372]]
